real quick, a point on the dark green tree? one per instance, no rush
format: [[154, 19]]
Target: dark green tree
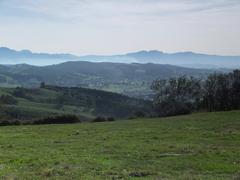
[[177, 95]]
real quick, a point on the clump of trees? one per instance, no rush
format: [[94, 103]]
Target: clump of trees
[[183, 95], [177, 95], [222, 91]]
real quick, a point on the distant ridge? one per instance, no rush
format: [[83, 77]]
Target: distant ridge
[[186, 59], [11, 53]]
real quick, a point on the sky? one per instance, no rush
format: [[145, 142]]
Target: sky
[[109, 27]]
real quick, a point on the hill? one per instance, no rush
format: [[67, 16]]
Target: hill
[[130, 79], [30, 104], [198, 146], [186, 59]]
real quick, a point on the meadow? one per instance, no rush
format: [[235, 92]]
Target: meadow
[[197, 146]]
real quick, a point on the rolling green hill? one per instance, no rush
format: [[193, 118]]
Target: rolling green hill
[[28, 104], [198, 146]]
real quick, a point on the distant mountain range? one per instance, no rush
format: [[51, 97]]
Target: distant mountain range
[[186, 59]]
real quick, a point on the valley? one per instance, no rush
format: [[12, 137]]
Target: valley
[[129, 79]]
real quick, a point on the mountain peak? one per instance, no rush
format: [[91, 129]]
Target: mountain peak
[[6, 49], [145, 53], [25, 51]]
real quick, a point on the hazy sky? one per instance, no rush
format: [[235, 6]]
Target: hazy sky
[[119, 26]]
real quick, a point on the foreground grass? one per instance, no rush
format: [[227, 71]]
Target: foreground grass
[[199, 146]]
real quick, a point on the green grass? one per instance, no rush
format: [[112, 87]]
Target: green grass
[[199, 146], [49, 109]]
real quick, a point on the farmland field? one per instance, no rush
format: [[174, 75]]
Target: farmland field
[[198, 146]]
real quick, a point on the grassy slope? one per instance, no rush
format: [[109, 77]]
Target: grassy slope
[[199, 146], [35, 110]]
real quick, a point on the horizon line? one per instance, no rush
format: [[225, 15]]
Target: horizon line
[[116, 54]]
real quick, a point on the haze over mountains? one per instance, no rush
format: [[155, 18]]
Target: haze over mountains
[[186, 59]]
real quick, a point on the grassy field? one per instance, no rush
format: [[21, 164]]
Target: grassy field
[[199, 146]]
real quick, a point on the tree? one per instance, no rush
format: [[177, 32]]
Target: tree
[[177, 95], [222, 91], [235, 81]]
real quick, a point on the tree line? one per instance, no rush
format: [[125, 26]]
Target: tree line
[[183, 95]]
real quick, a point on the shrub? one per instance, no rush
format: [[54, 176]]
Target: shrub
[[17, 123], [110, 119], [10, 123], [99, 119], [61, 119], [139, 114], [5, 123], [103, 119]]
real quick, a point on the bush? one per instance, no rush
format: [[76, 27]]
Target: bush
[[5, 123], [139, 114], [61, 119], [99, 119], [10, 123], [103, 119], [110, 119], [173, 108]]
